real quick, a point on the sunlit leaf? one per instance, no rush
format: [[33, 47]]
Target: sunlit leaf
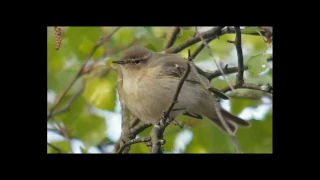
[[99, 52], [258, 63], [62, 145], [101, 92], [90, 129], [81, 39]]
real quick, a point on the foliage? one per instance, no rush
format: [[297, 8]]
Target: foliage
[[99, 84]]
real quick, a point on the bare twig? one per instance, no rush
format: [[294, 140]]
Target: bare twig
[[227, 70], [265, 88], [230, 30], [79, 73], [240, 55], [199, 49], [67, 105], [134, 131], [214, 32], [54, 147], [155, 139], [171, 37], [236, 144], [133, 141], [210, 52]]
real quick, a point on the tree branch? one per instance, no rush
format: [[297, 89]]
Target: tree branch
[[199, 49], [214, 33], [133, 141], [210, 52], [227, 70], [264, 88], [172, 37], [230, 30], [240, 55], [79, 73]]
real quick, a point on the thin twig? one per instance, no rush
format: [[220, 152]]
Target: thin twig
[[236, 144], [175, 97], [262, 88], [67, 105], [199, 49], [230, 30], [79, 73], [240, 55], [214, 32], [210, 52], [133, 141], [171, 37], [54, 147], [228, 70]]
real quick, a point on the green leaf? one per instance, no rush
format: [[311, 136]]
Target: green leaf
[[90, 129], [55, 59], [99, 52], [139, 148], [207, 138], [63, 79], [170, 135], [258, 63], [76, 109], [82, 39], [237, 105], [257, 138], [123, 37], [101, 92], [83, 150], [250, 30], [62, 145]]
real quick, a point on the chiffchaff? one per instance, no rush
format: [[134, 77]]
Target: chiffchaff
[[149, 82]]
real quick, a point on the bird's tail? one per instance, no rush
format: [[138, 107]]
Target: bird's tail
[[231, 120]]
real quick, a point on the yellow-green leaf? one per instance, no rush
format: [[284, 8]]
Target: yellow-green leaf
[[99, 52], [90, 129], [139, 148], [62, 145], [101, 92], [257, 138], [250, 29], [258, 63]]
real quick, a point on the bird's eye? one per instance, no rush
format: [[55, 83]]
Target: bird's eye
[[136, 62]]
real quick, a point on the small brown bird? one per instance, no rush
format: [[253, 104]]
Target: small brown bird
[[148, 84]]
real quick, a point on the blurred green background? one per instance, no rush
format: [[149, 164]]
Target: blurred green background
[[92, 124]]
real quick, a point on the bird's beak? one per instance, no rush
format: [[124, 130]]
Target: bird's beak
[[119, 62]]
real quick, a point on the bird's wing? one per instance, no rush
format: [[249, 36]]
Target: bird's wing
[[178, 68]]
